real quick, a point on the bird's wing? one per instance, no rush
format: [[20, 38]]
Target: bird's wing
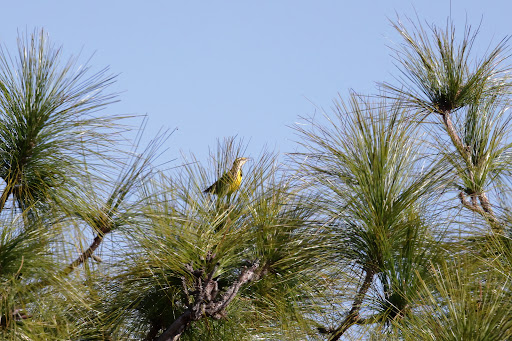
[[217, 185]]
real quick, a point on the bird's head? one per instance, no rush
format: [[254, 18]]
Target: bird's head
[[239, 162]]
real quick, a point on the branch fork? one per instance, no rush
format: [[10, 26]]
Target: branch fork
[[205, 299]]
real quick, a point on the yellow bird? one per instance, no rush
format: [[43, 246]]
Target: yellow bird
[[230, 181]]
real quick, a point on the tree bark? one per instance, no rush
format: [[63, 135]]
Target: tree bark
[[177, 328], [84, 256], [452, 132], [206, 303], [484, 209]]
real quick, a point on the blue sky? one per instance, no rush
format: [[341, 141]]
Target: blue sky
[[214, 69]]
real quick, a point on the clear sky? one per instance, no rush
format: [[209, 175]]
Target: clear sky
[[220, 68]]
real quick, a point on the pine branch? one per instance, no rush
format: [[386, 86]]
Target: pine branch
[[5, 195], [353, 315], [203, 299], [84, 256], [454, 136], [484, 209], [105, 228]]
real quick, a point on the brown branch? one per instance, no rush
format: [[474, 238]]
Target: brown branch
[[103, 224], [217, 309], [80, 260], [484, 210], [486, 205], [353, 315], [84, 256], [471, 206], [177, 328], [204, 302], [452, 132], [5, 195]]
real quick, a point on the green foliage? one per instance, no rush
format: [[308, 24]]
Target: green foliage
[[366, 160], [185, 232], [384, 226], [440, 74], [462, 303], [48, 129], [47, 125]]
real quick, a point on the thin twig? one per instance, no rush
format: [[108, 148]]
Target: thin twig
[[5, 195], [84, 256]]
